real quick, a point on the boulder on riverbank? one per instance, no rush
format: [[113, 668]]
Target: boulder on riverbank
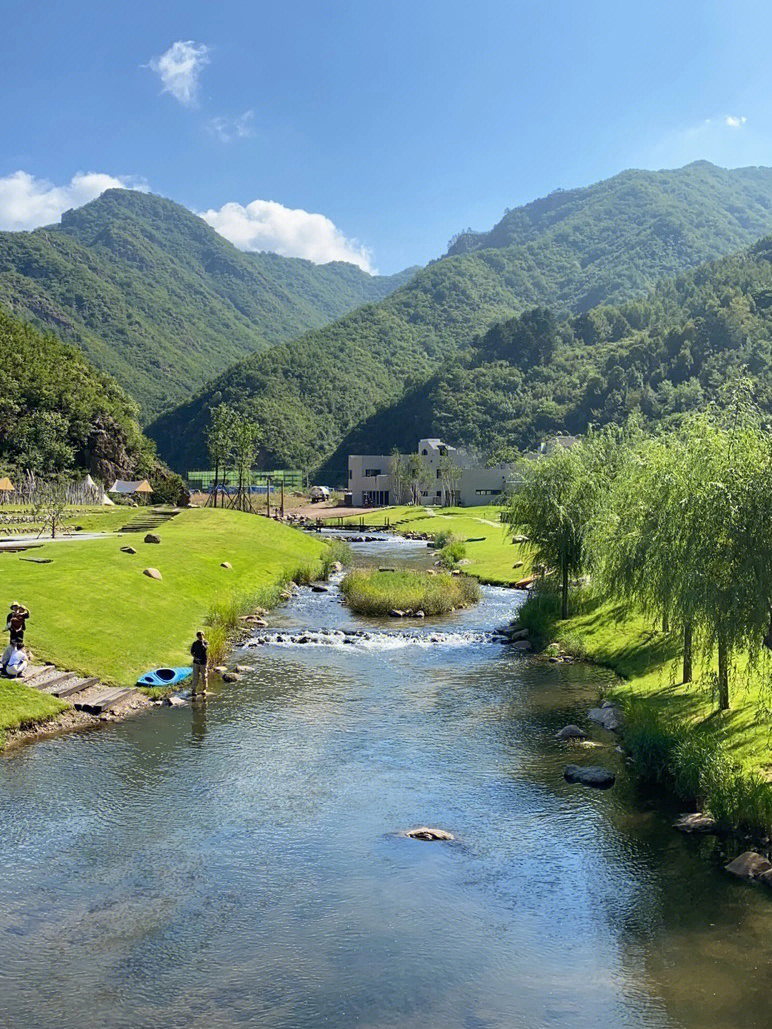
[[225, 564], [570, 732], [590, 775], [152, 538], [696, 822], [608, 716], [152, 573], [128, 550], [749, 865]]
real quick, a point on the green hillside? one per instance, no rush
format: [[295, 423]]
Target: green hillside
[[157, 298], [361, 378], [57, 412], [533, 375]]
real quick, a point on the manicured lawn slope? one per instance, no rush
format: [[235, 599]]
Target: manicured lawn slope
[[22, 706], [491, 556], [93, 611]]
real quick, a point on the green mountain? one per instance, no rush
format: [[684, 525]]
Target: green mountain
[[675, 350], [157, 298], [57, 412], [567, 252]]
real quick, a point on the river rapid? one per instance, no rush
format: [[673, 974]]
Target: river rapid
[[240, 863]]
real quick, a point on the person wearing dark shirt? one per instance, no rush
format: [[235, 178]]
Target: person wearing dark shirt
[[16, 622], [200, 653]]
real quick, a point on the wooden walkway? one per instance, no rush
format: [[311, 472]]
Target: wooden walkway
[[84, 693]]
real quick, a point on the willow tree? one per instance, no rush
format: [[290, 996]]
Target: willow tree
[[551, 504], [687, 535]]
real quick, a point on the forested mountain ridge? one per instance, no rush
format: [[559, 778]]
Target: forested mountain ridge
[[607, 242], [156, 297], [533, 375], [58, 413]]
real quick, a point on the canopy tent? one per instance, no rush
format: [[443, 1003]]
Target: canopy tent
[[6, 486], [127, 488]]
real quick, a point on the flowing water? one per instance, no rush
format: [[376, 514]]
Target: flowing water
[[241, 863]]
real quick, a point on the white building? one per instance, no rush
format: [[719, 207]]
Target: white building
[[450, 477]]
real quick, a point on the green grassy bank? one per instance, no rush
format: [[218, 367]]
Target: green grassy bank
[[491, 556], [719, 761], [94, 612]]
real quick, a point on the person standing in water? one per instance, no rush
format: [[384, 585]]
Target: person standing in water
[[200, 653]]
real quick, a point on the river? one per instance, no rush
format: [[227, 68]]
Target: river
[[240, 864]]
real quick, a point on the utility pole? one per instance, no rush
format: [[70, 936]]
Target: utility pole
[[268, 494], [282, 498]]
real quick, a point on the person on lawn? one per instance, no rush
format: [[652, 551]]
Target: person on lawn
[[200, 653], [16, 622], [14, 661]]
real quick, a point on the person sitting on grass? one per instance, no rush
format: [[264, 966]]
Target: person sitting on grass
[[200, 654], [14, 660]]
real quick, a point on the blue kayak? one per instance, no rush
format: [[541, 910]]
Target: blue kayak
[[163, 676]]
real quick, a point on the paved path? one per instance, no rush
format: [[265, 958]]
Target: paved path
[[28, 539]]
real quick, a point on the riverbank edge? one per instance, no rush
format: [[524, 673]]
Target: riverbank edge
[[659, 713], [227, 629]]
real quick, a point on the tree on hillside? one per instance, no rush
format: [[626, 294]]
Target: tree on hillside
[[246, 442], [220, 441], [399, 476]]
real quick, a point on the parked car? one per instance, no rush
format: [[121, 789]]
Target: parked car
[[319, 493]]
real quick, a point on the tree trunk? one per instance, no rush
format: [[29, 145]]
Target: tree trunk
[[688, 650], [216, 479], [723, 674], [665, 624], [564, 610]]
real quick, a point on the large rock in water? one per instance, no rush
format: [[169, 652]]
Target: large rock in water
[[590, 775], [423, 832], [570, 732], [152, 573], [749, 865], [152, 538]]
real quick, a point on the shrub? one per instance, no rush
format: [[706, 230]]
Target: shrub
[[443, 538], [452, 553], [378, 593], [337, 550]]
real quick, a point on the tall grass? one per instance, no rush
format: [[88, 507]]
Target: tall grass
[[693, 764], [378, 593]]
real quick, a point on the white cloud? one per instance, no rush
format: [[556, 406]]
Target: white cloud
[[27, 202], [228, 129], [734, 122], [179, 69], [267, 225]]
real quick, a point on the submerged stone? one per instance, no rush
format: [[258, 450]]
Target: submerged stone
[[749, 865], [696, 822], [570, 732], [590, 775]]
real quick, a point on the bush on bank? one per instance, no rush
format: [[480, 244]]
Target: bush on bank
[[369, 592]]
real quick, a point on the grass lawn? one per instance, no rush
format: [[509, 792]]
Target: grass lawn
[[93, 611], [21, 706], [649, 662], [491, 557]]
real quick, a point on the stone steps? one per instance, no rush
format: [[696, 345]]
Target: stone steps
[[85, 693]]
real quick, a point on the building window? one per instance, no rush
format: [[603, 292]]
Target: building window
[[439, 473], [487, 492], [443, 451], [439, 493], [425, 452], [370, 473], [351, 473], [424, 492]]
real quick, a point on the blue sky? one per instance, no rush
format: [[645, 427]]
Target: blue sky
[[396, 124]]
